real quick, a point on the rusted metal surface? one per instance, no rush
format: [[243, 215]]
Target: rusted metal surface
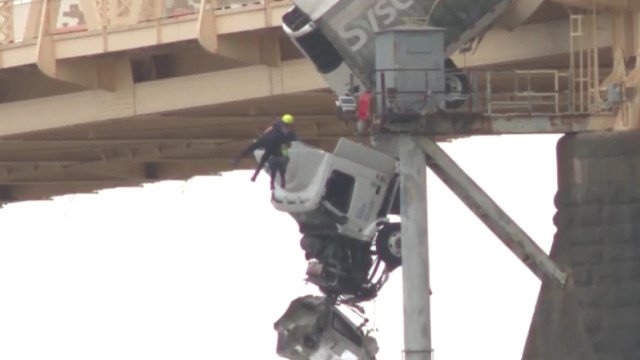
[[480, 124]]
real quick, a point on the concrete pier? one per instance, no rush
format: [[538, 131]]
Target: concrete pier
[[598, 242]]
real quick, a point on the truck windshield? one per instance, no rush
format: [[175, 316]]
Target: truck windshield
[[339, 190]]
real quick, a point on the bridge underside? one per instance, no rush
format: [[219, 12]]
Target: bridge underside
[[163, 100], [169, 111], [135, 150]]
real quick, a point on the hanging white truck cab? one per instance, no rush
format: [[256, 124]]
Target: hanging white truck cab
[[345, 191], [341, 201]]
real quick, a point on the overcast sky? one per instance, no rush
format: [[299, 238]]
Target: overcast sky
[[201, 269]]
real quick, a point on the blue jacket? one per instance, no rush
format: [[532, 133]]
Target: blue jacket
[[279, 135]]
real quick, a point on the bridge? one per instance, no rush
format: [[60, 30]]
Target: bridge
[[108, 94], [100, 94]]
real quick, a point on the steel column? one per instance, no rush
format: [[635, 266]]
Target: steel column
[[490, 213], [415, 251]]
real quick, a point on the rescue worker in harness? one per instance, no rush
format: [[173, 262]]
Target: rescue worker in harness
[[274, 139], [277, 164]]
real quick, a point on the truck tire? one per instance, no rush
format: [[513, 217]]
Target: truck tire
[[388, 245], [456, 83]]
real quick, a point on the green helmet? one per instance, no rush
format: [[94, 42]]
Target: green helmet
[[287, 119]]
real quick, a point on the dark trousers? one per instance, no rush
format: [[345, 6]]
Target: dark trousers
[[263, 161], [278, 165], [271, 148]]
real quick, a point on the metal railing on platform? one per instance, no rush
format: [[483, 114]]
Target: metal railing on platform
[[500, 93], [525, 92], [533, 91]]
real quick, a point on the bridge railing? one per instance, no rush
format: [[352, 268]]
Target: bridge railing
[[20, 19], [530, 91], [526, 92]]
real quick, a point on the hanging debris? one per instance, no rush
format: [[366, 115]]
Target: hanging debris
[[313, 328]]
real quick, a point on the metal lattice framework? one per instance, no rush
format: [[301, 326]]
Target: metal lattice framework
[[151, 9], [123, 8], [6, 21], [102, 7]]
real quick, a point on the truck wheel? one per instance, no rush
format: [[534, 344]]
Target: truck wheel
[[388, 245], [456, 85]]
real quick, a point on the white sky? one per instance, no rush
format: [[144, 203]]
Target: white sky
[[201, 269]]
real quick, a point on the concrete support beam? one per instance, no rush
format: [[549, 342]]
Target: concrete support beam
[[33, 20], [415, 251], [253, 49], [89, 73], [225, 86], [518, 12], [491, 214], [207, 26], [270, 51], [159, 96], [478, 124], [243, 48], [72, 152]]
